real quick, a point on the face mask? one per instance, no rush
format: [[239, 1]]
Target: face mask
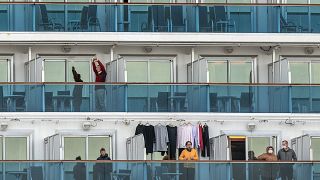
[[270, 151]]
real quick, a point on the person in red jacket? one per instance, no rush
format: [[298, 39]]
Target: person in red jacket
[[100, 91]]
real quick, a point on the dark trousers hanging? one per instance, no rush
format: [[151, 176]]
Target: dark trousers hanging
[[206, 143]]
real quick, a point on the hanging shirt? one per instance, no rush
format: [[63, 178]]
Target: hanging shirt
[[149, 138], [161, 136], [184, 135], [200, 137], [195, 136]]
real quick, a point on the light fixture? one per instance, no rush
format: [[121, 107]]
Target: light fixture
[[66, 49], [147, 49], [86, 125], [228, 50], [251, 126], [308, 50], [3, 126]]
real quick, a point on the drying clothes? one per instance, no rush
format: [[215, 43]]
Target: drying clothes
[[161, 136], [184, 135], [200, 137], [135, 147], [206, 143], [172, 147], [139, 129], [149, 137], [195, 136]]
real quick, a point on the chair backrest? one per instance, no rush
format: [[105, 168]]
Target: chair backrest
[[20, 101], [1, 98], [84, 18], [203, 16], [159, 15], [246, 99], [44, 13], [213, 99], [163, 101], [63, 93], [48, 100], [36, 173], [220, 13], [177, 15], [92, 12]]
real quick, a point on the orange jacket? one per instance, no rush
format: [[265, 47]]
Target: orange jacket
[[186, 155]]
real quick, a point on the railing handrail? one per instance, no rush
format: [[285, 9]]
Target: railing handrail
[[154, 83], [173, 4], [160, 161]]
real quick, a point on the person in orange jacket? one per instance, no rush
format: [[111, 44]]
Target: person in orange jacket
[[189, 154]]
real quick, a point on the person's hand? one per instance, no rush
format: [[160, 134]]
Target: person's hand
[[185, 158], [73, 68], [192, 158]]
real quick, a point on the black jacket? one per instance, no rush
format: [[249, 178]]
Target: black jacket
[[79, 171], [288, 155], [105, 157]]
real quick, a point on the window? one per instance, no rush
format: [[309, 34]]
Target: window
[[4, 70], [60, 70], [87, 147], [258, 144], [149, 71], [230, 71], [307, 72], [315, 146], [14, 148]]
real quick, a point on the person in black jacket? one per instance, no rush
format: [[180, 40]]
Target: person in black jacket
[[77, 91], [102, 171], [79, 170]]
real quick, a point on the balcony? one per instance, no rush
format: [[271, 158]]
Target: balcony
[[206, 18], [219, 98], [155, 169]]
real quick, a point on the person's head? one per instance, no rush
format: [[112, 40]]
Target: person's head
[[166, 157], [103, 152], [98, 68], [189, 145], [78, 158], [284, 144], [270, 150]]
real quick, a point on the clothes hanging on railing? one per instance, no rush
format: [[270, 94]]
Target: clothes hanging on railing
[[161, 137], [149, 138], [172, 146], [206, 143], [135, 147]]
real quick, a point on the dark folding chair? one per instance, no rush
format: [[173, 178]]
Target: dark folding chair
[[47, 23], [221, 20], [20, 102], [36, 173], [213, 99], [178, 23], [162, 103], [2, 108], [93, 20], [205, 25], [49, 101], [246, 100]]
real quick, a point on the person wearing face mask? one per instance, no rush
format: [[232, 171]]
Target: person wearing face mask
[[286, 154], [189, 154], [269, 171]]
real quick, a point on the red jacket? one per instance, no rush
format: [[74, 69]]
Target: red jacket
[[100, 77]]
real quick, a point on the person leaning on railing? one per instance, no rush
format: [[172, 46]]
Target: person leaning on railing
[[102, 171], [100, 91], [269, 171], [189, 154], [286, 154]]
